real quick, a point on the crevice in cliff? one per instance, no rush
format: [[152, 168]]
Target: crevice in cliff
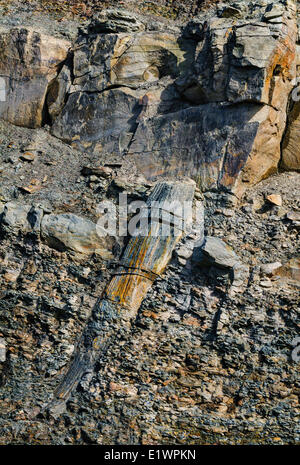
[[289, 108], [132, 137], [46, 118], [251, 102], [108, 88], [53, 89]]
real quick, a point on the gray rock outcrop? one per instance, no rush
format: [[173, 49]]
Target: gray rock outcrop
[[29, 61], [196, 102], [68, 231], [191, 99], [17, 217]]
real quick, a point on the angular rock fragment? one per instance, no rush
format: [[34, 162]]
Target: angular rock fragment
[[99, 171], [270, 268], [291, 142], [221, 145], [215, 252], [273, 11], [274, 199], [294, 217], [2, 350], [231, 11]]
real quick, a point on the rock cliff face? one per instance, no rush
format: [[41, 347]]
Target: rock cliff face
[[29, 62], [196, 101], [207, 100], [203, 96]]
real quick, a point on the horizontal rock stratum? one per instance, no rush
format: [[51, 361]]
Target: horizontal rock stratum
[[207, 99]]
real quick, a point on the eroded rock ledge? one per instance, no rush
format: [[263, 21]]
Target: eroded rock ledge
[[207, 99]]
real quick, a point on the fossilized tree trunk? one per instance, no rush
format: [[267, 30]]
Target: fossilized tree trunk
[[144, 259]]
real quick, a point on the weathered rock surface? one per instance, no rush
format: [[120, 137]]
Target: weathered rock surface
[[24, 218], [29, 61], [290, 149], [198, 365], [270, 268], [110, 21], [215, 252], [191, 100], [62, 232], [68, 231], [228, 131], [290, 270]]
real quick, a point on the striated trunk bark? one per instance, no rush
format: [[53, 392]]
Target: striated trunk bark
[[144, 259]]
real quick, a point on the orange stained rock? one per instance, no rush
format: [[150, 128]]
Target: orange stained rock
[[144, 259]]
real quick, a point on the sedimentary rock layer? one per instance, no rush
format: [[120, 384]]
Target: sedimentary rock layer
[[207, 99]]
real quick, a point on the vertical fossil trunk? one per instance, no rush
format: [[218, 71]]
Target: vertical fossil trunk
[[144, 259]]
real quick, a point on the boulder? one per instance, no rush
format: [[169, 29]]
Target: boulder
[[215, 252], [116, 20], [70, 232], [107, 99]]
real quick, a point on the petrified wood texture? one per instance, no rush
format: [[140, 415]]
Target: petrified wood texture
[[145, 258]]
